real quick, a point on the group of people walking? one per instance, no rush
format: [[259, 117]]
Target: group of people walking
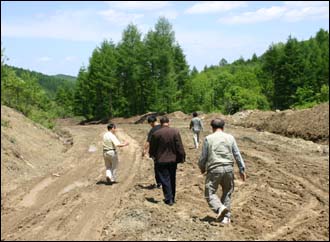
[[164, 145]]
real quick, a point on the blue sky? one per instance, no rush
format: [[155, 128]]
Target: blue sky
[[58, 37]]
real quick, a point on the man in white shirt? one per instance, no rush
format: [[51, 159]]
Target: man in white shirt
[[110, 144], [196, 125]]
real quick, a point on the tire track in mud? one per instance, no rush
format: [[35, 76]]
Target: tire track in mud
[[285, 200], [303, 213], [77, 204]]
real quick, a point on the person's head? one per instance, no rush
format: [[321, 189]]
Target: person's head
[[111, 126], [164, 121], [217, 123], [195, 114], [152, 120]]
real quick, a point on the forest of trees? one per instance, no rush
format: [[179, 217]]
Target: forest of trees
[[40, 97], [139, 75]]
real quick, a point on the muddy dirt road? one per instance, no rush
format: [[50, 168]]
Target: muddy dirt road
[[285, 197]]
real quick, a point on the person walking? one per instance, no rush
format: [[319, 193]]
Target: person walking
[[110, 144], [152, 121], [217, 160], [167, 150], [196, 125]]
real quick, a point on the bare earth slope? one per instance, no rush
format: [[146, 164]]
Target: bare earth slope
[[285, 197], [310, 124]]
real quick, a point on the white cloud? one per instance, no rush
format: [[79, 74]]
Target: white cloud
[[68, 25], [261, 15], [214, 7], [307, 13], [70, 58], [44, 59], [306, 3], [139, 5], [120, 18], [169, 14], [290, 11]]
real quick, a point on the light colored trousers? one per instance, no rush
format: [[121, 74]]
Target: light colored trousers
[[226, 180], [196, 138], [111, 164]]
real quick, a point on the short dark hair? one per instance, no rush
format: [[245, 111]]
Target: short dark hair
[[195, 114], [218, 123], [111, 126], [152, 119], [164, 119]]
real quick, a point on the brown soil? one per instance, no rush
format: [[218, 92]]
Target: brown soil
[[310, 124], [52, 191]]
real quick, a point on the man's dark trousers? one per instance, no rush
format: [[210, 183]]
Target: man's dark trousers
[[156, 174], [167, 176]]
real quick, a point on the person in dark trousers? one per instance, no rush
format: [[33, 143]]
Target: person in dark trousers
[[152, 120], [217, 160], [167, 150]]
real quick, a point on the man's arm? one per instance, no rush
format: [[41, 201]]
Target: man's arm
[[147, 143], [145, 148], [203, 158], [239, 160], [152, 147], [181, 154]]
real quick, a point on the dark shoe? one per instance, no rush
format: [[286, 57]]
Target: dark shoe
[[169, 202], [108, 180]]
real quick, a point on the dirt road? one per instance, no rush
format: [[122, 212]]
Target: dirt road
[[75, 202], [285, 197]]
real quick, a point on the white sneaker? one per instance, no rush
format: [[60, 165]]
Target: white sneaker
[[221, 212], [225, 220]]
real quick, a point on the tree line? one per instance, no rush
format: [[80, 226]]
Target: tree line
[[151, 74], [288, 75]]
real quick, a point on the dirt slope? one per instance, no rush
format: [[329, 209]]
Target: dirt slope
[[285, 197], [309, 124]]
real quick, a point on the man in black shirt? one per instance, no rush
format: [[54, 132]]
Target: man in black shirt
[[152, 120]]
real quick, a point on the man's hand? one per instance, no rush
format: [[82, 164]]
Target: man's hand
[[144, 153], [243, 176]]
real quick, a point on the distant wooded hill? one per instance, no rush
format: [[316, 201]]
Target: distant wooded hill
[[51, 83]]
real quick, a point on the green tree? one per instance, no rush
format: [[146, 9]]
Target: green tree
[[130, 71]]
